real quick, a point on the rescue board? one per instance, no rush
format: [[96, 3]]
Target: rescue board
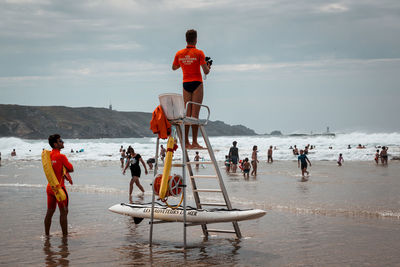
[[51, 176], [165, 213]]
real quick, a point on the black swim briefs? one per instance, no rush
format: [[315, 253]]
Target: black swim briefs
[[191, 86]]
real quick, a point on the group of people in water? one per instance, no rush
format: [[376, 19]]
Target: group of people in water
[[382, 155], [232, 161]]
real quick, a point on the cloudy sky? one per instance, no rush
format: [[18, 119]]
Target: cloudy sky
[[295, 66]]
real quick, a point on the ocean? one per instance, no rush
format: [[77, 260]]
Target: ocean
[[108, 149], [341, 216]]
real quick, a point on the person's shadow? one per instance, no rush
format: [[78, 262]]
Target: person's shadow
[[56, 258]]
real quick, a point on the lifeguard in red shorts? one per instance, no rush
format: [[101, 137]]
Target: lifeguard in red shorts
[[58, 161], [190, 59]]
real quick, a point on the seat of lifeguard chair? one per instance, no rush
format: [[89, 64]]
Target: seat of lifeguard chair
[[175, 110], [189, 121]]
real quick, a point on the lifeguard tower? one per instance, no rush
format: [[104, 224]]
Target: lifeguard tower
[[175, 110]]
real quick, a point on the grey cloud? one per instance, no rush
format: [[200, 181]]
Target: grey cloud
[[286, 53]]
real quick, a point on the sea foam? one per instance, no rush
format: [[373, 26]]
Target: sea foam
[[108, 149]]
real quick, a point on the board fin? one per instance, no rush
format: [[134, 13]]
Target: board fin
[[137, 220]]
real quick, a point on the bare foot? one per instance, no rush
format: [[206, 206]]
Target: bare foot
[[188, 146], [196, 145]]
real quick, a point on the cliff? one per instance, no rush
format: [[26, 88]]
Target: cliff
[[38, 122]]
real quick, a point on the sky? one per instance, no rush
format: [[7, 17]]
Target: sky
[[295, 66]]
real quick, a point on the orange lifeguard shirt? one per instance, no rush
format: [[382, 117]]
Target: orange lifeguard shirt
[[190, 59], [58, 160]]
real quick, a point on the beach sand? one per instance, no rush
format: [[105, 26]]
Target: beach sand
[[341, 216]]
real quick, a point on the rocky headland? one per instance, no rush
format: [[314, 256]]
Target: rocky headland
[[38, 122]]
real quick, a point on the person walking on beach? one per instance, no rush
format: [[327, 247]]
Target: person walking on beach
[[58, 161], [270, 155], [246, 168], [133, 162], [190, 60], [302, 160], [377, 156], [122, 158], [340, 160], [162, 153], [234, 156], [254, 161], [384, 155]]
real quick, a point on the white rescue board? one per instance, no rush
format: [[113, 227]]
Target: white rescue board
[[192, 215]]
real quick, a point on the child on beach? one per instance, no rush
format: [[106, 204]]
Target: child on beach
[[270, 154], [227, 163], [377, 156], [197, 158], [340, 159], [246, 167], [303, 160], [162, 153], [254, 161]]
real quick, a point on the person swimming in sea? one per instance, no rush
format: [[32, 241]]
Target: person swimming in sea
[[295, 151]]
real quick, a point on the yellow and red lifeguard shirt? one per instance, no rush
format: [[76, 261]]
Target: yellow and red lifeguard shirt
[[58, 160], [190, 59]]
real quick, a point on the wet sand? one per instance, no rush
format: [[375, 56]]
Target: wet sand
[[347, 215]]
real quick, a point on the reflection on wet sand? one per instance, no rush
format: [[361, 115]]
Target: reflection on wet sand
[[56, 258], [212, 251]]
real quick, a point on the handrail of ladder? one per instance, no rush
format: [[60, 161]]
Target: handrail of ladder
[[201, 105]]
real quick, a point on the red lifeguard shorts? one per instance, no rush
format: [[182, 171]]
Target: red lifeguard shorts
[[52, 200]]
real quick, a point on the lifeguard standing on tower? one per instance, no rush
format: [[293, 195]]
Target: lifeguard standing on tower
[[190, 59]]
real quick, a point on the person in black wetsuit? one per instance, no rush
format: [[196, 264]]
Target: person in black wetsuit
[[133, 162], [234, 156]]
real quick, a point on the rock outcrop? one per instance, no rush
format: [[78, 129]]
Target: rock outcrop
[[37, 122]]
